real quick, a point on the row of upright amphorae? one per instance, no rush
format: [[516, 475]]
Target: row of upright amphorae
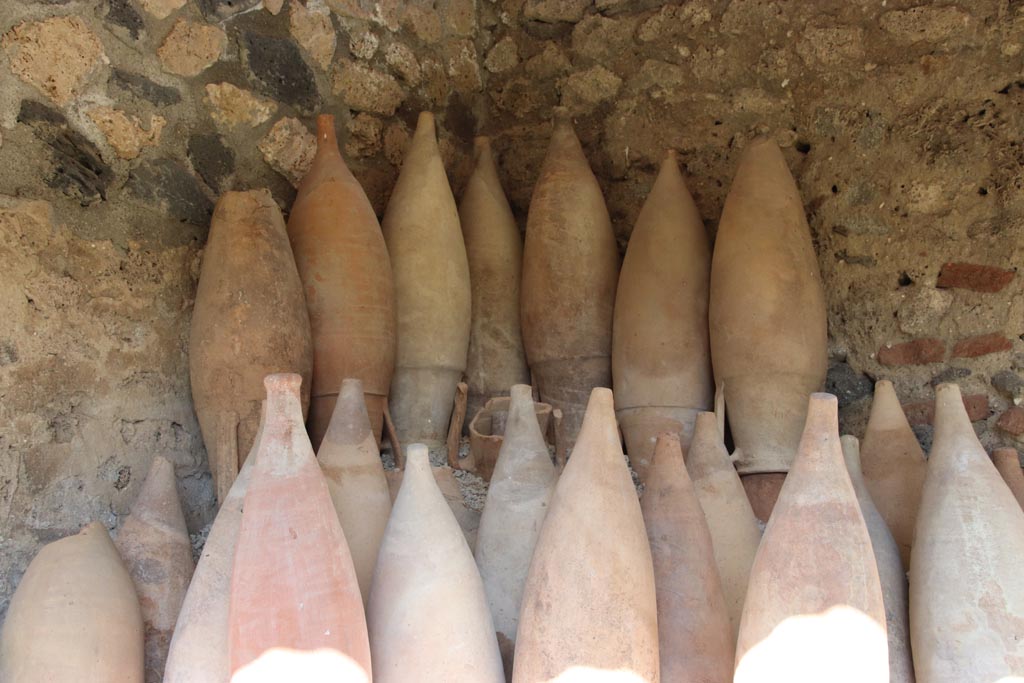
[[439, 291], [311, 573]]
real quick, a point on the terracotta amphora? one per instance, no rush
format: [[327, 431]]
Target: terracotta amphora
[[199, 647], [696, 640], [661, 361], [249, 321], [814, 610], [154, 544], [966, 584], [894, 466], [346, 274], [352, 466], [767, 317], [487, 430], [589, 610], [735, 533], [570, 270], [467, 517], [432, 293], [1007, 462], [74, 616], [494, 248], [293, 584], [517, 501], [891, 572], [428, 612]]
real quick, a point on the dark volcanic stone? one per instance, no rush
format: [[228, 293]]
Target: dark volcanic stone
[[279, 71], [212, 160], [950, 375], [78, 168], [846, 383], [169, 184], [142, 87], [122, 13], [225, 8], [1009, 384]]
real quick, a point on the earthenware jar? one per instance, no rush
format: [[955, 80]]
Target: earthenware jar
[[894, 466], [814, 608], [966, 586], [156, 549], [735, 533], [891, 572], [428, 612], [661, 361], [767, 317], [517, 501], [1007, 462], [432, 291], [589, 610], [293, 584], [249, 321], [74, 616], [570, 270], [351, 463], [494, 248], [199, 647], [696, 641], [346, 275]]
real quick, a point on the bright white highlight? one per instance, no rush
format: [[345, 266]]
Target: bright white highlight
[[279, 665]]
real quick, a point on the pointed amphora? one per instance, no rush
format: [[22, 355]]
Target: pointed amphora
[[428, 612], [74, 616], [735, 533], [346, 274], [966, 584], [352, 466], [1007, 462], [494, 248], [293, 585], [696, 640], [199, 647], [432, 291], [154, 544], [661, 360], [570, 270], [767, 317], [814, 610], [589, 610], [894, 466], [249, 321], [517, 502], [891, 572]]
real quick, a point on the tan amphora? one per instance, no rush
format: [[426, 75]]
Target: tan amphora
[[767, 318], [432, 291], [293, 585], [661, 360], [156, 549], [570, 270], [966, 584], [352, 466], [696, 640], [199, 647], [428, 612], [74, 616], [1007, 462], [249, 321], [894, 466], [735, 532], [494, 248], [814, 610], [589, 609], [891, 571], [517, 502], [346, 274]]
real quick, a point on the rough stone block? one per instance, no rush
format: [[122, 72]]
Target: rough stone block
[[916, 352], [167, 183], [1012, 421], [279, 71], [212, 160], [56, 55], [982, 345], [144, 88], [923, 412], [1009, 384], [846, 383], [975, 277], [190, 48]]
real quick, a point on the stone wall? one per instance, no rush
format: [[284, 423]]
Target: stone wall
[[121, 121]]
